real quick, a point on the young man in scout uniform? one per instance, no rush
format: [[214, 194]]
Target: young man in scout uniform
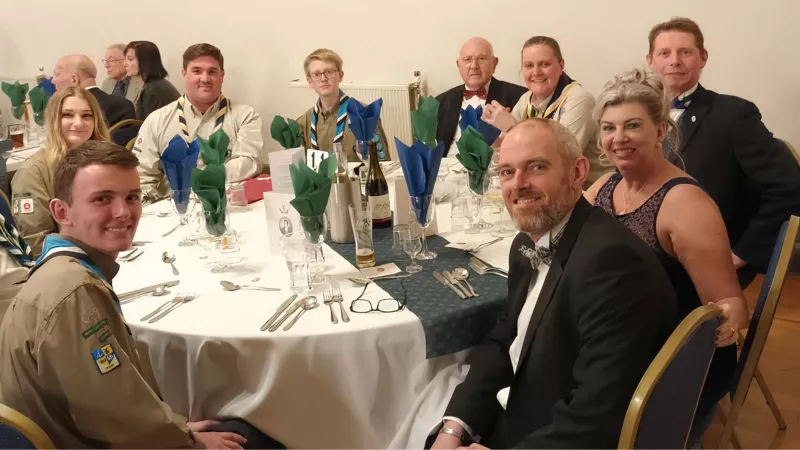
[[67, 358], [326, 123]]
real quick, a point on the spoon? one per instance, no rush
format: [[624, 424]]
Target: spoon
[[308, 303], [170, 259], [228, 286], [161, 290], [462, 274]]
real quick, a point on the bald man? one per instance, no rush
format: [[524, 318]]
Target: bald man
[[79, 70], [476, 63]]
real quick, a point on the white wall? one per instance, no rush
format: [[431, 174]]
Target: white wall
[[754, 47]]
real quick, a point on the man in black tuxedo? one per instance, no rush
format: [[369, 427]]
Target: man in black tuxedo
[[752, 176], [79, 70], [476, 63], [589, 308]]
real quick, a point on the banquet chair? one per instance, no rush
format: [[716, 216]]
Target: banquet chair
[[784, 255], [661, 411], [124, 131], [792, 150], [18, 431], [5, 209]]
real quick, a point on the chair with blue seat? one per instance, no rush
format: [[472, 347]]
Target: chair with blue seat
[[785, 257], [662, 409], [18, 431], [124, 131]]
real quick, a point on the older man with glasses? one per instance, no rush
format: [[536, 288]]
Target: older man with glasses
[[476, 64], [118, 82]]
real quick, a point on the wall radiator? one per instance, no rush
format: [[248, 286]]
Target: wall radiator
[[398, 101]]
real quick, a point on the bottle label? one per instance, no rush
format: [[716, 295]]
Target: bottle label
[[381, 209]]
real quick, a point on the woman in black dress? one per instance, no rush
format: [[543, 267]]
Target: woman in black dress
[[142, 58]]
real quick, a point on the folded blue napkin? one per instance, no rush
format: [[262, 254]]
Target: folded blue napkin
[[421, 167], [177, 162], [47, 85], [364, 120], [472, 117]]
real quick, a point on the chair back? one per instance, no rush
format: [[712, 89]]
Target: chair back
[[124, 131], [792, 150], [784, 255], [18, 431], [662, 409]]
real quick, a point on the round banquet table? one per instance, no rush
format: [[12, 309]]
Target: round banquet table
[[375, 382]]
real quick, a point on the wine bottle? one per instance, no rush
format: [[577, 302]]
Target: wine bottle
[[378, 191]]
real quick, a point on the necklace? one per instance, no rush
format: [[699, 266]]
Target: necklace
[[625, 204]]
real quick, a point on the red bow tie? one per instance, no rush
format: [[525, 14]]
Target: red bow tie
[[480, 93]]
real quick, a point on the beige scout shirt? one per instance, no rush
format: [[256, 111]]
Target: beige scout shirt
[[11, 276], [575, 113], [242, 125], [326, 129], [64, 314], [32, 188]]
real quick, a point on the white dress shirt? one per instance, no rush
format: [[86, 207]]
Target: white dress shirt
[[677, 113], [524, 319], [473, 101]]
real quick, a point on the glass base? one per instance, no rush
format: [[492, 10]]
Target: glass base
[[414, 268], [427, 255], [504, 232]]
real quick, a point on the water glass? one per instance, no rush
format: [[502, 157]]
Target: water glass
[[237, 195], [294, 247], [399, 255], [317, 234], [412, 245], [361, 220]]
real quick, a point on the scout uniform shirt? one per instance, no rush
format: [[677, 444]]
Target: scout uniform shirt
[[67, 359], [326, 131], [32, 188], [241, 123]]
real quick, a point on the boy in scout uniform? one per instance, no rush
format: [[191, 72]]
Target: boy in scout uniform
[[326, 123], [67, 358], [199, 113]]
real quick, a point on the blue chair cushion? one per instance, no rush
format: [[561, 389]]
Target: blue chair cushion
[[12, 438]]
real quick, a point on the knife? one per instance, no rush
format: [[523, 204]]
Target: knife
[[278, 312], [146, 290], [442, 280]]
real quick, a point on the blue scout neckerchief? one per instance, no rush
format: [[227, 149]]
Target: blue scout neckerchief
[[341, 118]]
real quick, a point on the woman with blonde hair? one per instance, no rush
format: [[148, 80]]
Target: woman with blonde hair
[[72, 118], [672, 213]]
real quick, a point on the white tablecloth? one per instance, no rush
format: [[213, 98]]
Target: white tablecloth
[[362, 384]]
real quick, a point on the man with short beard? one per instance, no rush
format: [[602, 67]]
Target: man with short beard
[[589, 307]]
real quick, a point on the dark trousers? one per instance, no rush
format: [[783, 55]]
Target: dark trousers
[[255, 438]]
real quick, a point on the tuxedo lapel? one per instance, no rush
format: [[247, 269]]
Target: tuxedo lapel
[[693, 116], [563, 250], [450, 113], [495, 92]]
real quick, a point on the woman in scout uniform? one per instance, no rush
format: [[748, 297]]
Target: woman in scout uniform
[[72, 118], [552, 94], [326, 123]]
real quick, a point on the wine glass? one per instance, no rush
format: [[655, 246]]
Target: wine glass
[[183, 204], [478, 184], [412, 244], [424, 208], [494, 194]]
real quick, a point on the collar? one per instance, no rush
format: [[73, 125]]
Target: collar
[[211, 110], [91, 87], [689, 92], [542, 105], [485, 87], [103, 261], [557, 231]]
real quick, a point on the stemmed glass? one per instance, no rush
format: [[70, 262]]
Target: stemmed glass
[[494, 195], [412, 244], [424, 208], [478, 184], [183, 204]]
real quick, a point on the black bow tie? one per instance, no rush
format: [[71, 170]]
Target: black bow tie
[[537, 256], [682, 103]]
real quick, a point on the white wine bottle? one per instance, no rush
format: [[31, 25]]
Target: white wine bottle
[[378, 191]]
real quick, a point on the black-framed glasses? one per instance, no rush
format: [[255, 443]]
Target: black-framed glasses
[[386, 305], [329, 74], [111, 61]]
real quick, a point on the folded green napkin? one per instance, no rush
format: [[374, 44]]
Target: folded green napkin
[[214, 149], [38, 99], [311, 192], [208, 185], [475, 155], [286, 132], [16, 92], [424, 119]]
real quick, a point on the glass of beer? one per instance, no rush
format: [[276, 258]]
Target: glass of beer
[[17, 133], [361, 219]]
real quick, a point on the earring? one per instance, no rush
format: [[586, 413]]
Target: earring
[[658, 144]]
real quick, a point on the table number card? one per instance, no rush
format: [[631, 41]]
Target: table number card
[[315, 157], [282, 218], [279, 163]]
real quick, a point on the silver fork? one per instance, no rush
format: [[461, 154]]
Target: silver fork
[[482, 269], [483, 245], [173, 307], [178, 298], [339, 298], [133, 256], [450, 279], [327, 297]]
